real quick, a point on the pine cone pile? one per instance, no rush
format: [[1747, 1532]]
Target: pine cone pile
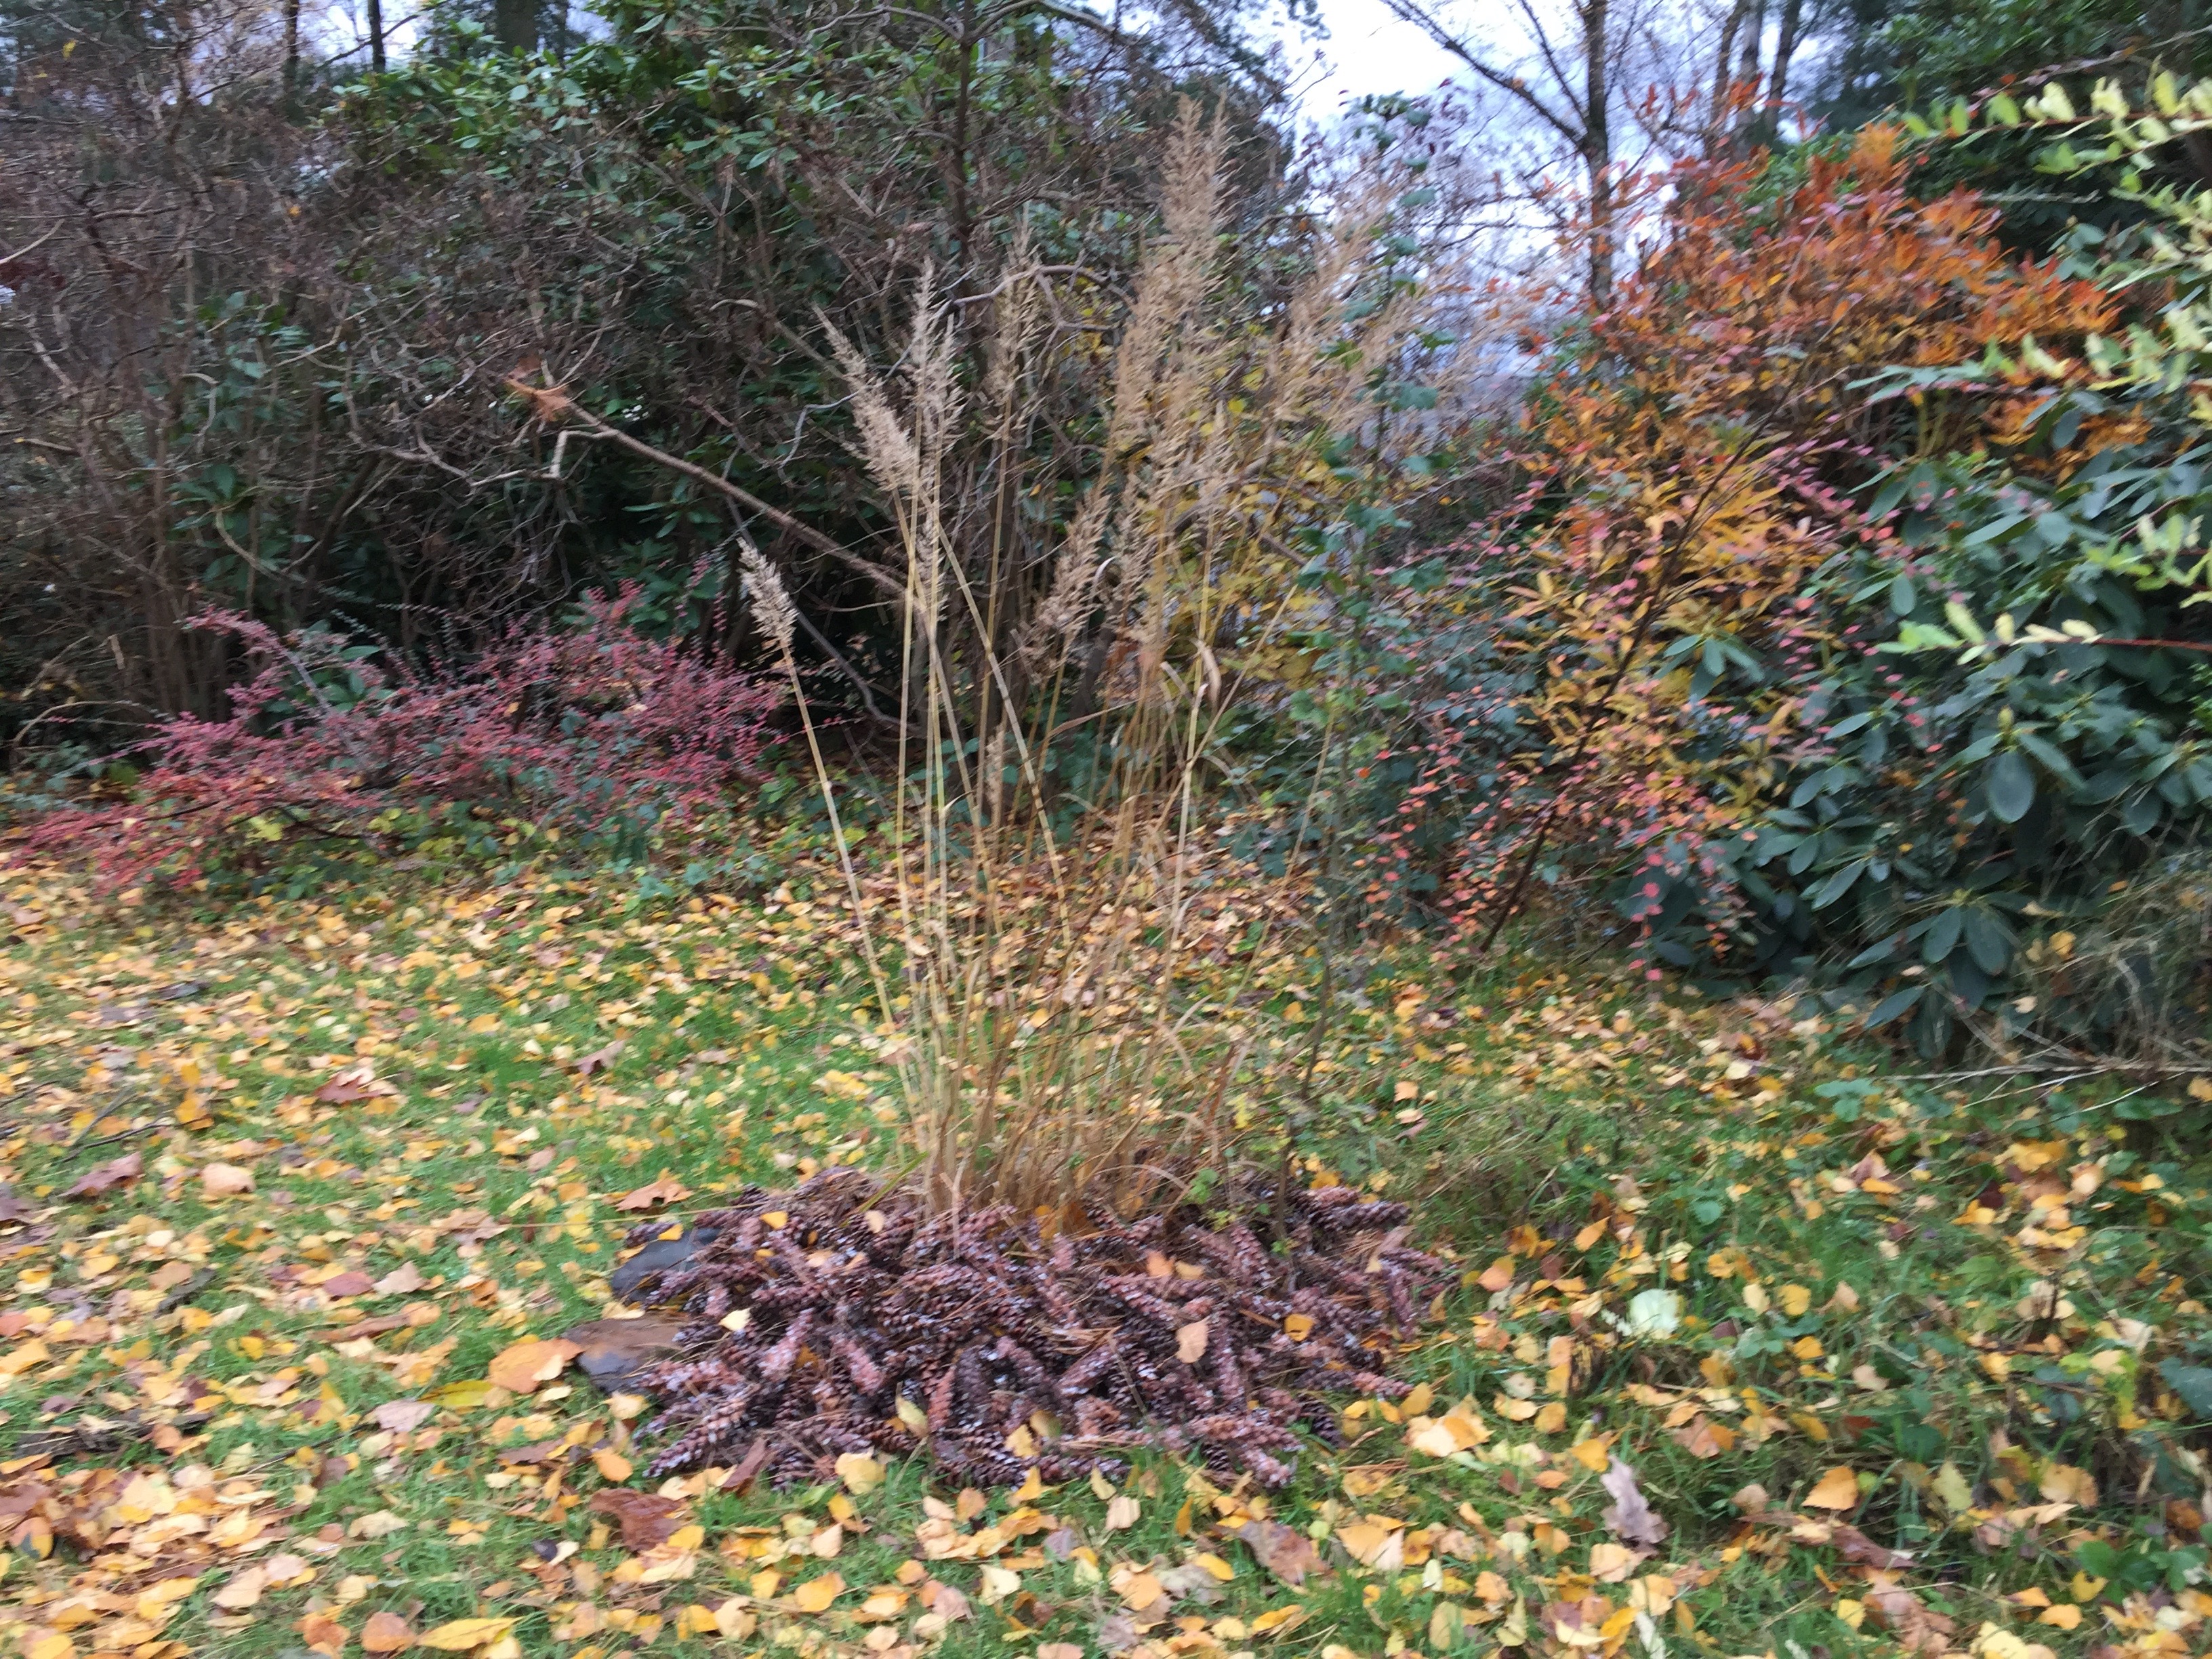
[[879, 1328]]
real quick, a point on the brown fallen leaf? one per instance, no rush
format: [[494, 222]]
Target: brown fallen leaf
[[947, 1603], [347, 1284], [404, 1416], [403, 1280], [611, 1351], [381, 1325], [749, 1467], [358, 1081], [599, 1059], [386, 1632], [666, 1190], [1919, 1627], [225, 1180], [1703, 1437], [104, 1178], [1284, 1551], [244, 1589], [1849, 1541], [323, 1634], [646, 1518], [1856, 1546], [1191, 1342], [521, 1367]]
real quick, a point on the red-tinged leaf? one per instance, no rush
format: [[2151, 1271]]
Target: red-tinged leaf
[[356, 1082], [1284, 1551], [600, 1059], [646, 1518], [612, 1351], [666, 1190], [104, 1178], [386, 1632]]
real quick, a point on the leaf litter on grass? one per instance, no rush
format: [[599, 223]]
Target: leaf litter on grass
[[1873, 1367]]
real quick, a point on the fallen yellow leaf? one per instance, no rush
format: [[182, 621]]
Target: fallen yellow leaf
[[522, 1367], [244, 1590], [1593, 1454], [1140, 1589], [1838, 1489], [1611, 1563], [861, 1473], [815, 1595], [2064, 1483], [462, 1634]]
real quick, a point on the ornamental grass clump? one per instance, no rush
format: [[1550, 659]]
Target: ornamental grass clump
[[1074, 1257]]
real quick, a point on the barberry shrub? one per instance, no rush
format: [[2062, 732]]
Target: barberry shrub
[[595, 733]]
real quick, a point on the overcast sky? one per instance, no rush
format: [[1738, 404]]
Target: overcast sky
[[1368, 50]]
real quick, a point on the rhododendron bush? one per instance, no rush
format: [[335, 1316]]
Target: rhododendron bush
[[597, 733]]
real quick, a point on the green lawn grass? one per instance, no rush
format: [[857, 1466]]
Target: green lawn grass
[[456, 1083]]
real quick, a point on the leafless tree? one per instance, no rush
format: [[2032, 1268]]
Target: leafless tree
[[1603, 84]]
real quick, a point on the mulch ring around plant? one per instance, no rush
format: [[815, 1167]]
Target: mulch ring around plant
[[835, 1318]]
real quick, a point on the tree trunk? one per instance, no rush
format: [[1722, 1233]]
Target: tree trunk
[[1598, 146], [1724, 64], [514, 24], [376, 35], [1754, 43], [1785, 47], [291, 57]]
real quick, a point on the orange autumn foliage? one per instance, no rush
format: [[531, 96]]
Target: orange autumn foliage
[[1696, 460]]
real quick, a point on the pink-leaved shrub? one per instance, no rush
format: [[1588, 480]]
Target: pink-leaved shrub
[[596, 730]]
